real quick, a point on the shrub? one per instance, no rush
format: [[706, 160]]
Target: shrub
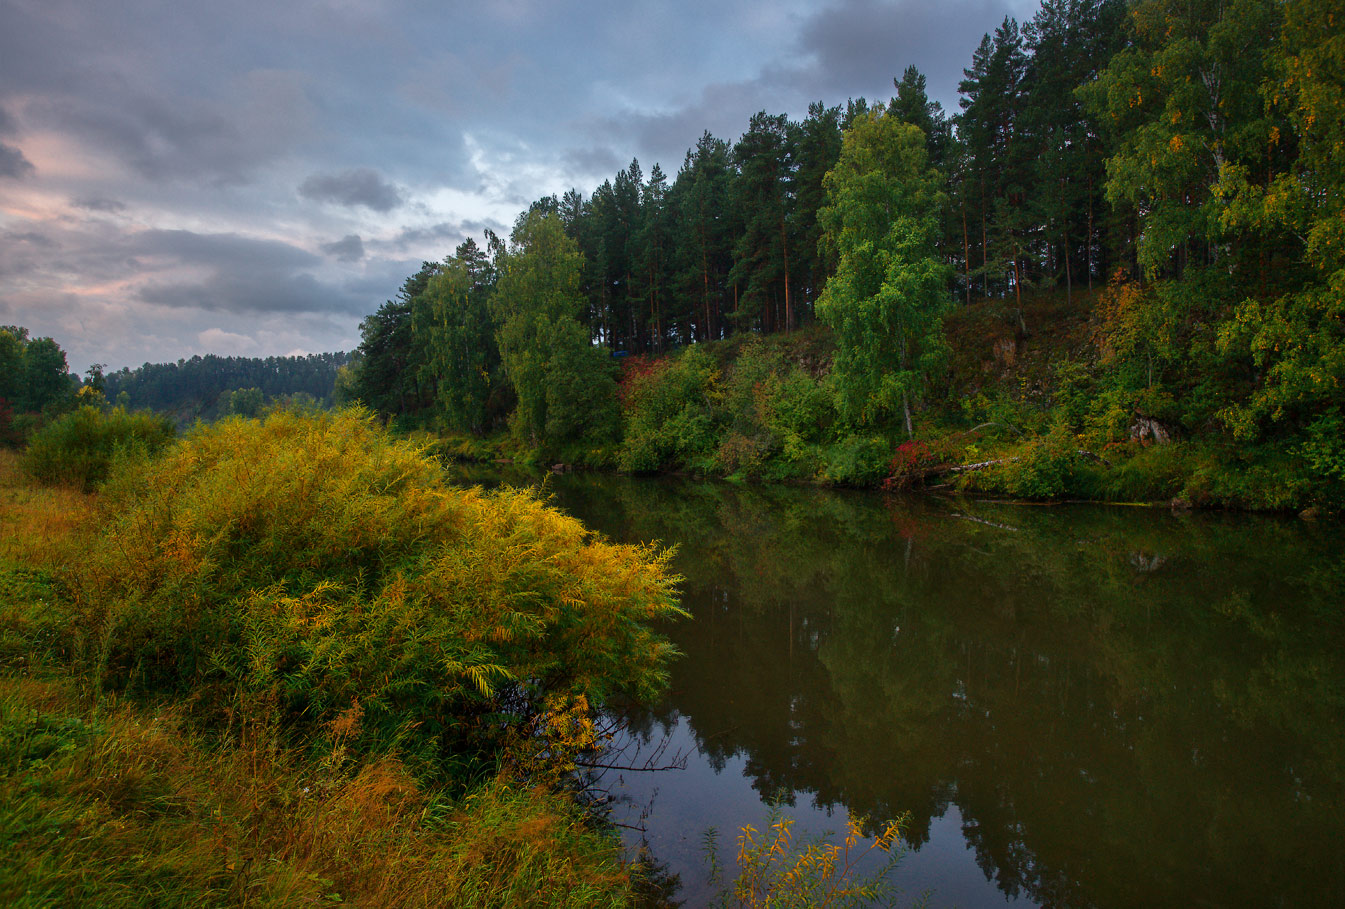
[[79, 448], [9, 435], [857, 461], [914, 459], [774, 869], [307, 566], [1043, 468], [780, 417], [667, 411]]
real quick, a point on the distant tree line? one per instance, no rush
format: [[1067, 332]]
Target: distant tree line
[[200, 382]]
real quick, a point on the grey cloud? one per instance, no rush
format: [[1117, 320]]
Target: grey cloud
[[162, 136], [858, 43], [847, 49], [7, 125], [224, 251], [98, 203], [348, 249], [244, 275], [444, 230], [588, 162], [722, 109], [24, 253], [362, 186], [246, 292], [442, 238], [13, 163], [32, 237]]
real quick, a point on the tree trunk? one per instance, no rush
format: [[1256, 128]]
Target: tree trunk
[[784, 253], [966, 251], [705, 275], [1090, 232], [1069, 286]]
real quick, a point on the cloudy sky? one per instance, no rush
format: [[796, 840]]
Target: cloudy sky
[[253, 177]]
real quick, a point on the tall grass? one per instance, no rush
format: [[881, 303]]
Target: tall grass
[[131, 808], [41, 526]]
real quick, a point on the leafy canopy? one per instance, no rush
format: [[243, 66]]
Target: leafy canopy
[[886, 299]]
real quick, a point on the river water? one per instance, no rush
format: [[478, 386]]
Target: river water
[[1075, 705]]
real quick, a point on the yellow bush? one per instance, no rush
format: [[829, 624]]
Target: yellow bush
[[295, 567]]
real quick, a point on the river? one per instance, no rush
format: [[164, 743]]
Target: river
[[1075, 705]]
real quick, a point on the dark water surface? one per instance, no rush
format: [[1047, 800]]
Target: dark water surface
[[1078, 706]]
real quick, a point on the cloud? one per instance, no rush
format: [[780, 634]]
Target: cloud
[[165, 135], [158, 155], [362, 186], [222, 251], [348, 249], [444, 230], [235, 274], [31, 236], [99, 204], [217, 340], [243, 293], [13, 163], [846, 49], [855, 43], [596, 160]]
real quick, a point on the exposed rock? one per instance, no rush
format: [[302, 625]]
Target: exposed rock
[[1145, 563], [1147, 430]]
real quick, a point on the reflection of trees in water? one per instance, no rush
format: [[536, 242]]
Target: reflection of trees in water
[[1126, 706]]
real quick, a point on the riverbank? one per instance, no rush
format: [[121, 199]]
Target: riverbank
[[1027, 408]]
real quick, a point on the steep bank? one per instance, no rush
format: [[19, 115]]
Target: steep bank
[[1032, 404]]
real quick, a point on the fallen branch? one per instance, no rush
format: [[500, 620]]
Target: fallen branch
[[964, 468], [967, 517]]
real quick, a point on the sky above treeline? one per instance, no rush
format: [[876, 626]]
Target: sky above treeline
[[252, 178]]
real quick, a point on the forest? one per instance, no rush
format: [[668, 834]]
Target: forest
[[1171, 173]]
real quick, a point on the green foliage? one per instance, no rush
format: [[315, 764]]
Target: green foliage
[[668, 412], [193, 387], [242, 402], [388, 375], [1324, 448], [33, 373], [857, 461], [308, 565], [777, 416], [886, 299], [1044, 467], [452, 322], [565, 386], [80, 448]]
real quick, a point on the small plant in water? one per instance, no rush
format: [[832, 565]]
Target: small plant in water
[[775, 870]]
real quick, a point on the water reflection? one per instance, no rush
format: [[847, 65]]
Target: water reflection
[[1121, 707]]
